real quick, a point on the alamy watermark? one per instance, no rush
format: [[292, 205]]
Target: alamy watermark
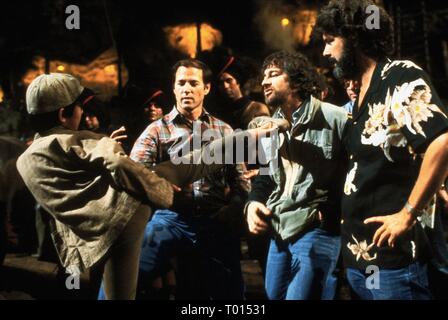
[[373, 281], [373, 20], [73, 21], [72, 282]]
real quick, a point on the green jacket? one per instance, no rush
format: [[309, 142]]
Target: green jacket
[[308, 159]]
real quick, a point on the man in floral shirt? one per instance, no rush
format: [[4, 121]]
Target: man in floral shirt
[[397, 144]]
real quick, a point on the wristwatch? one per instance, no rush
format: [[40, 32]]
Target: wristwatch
[[413, 211]]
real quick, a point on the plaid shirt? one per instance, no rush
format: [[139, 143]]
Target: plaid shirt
[[172, 136]]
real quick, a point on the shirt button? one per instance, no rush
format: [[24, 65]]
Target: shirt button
[[355, 123]]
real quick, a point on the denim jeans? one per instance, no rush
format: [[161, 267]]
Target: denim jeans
[[165, 235], [304, 268], [216, 255], [408, 283]]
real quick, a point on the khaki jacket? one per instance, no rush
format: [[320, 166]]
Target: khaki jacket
[[90, 187]]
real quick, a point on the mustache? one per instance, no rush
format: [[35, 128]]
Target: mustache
[[332, 60]]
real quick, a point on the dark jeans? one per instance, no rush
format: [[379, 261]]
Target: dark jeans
[[408, 283], [208, 257]]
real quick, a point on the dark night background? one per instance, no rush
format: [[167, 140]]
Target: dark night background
[[135, 28]]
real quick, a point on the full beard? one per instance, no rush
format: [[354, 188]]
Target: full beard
[[347, 67]]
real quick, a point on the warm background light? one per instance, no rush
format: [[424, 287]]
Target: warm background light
[[101, 74], [305, 21], [285, 22], [110, 69], [184, 38]]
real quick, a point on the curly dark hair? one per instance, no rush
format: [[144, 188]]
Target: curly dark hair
[[303, 76], [347, 19]]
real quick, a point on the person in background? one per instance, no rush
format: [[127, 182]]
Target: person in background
[[156, 105], [352, 89], [237, 110], [95, 115]]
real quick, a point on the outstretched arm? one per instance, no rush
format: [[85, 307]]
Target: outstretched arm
[[197, 164]]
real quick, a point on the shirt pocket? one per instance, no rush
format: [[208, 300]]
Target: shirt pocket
[[323, 140]]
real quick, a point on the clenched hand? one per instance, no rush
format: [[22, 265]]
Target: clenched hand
[[256, 217]]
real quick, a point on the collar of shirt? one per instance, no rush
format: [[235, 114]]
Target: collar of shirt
[[374, 86], [58, 129], [175, 116], [302, 115], [349, 106]]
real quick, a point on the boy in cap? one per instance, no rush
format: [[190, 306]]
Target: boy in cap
[[99, 198]]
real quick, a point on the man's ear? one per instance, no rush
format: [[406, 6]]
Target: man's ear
[[61, 117], [207, 88]]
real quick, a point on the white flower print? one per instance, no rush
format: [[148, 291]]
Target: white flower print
[[413, 247], [408, 106], [404, 63], [361, 249], [349, 186]]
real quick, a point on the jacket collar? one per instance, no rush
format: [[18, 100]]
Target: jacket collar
[[304, 114], [54, 130]]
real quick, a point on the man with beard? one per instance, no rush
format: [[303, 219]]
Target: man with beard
[[397, 144], [301, 212]]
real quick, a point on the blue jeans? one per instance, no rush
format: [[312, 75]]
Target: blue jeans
[[216, 255], [303, 269], [408, 283], [165, 234]]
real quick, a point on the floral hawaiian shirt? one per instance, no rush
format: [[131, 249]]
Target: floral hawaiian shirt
[[399, 117]]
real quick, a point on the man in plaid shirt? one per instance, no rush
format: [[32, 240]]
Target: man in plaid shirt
[[205, 214]]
